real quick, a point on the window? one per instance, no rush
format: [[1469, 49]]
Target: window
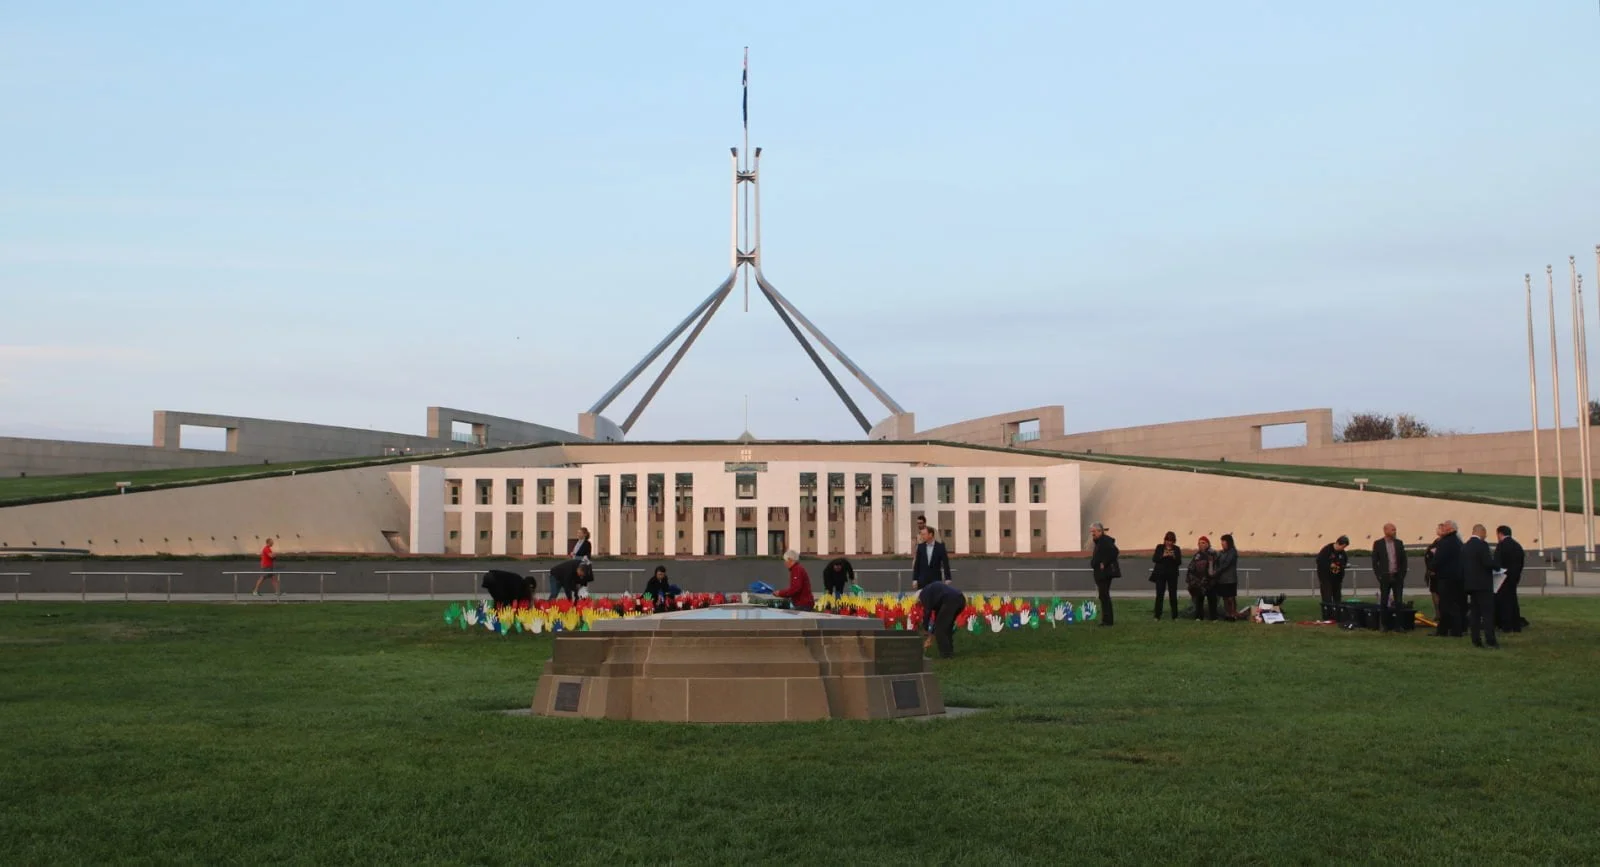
[[546, 492], [918, 495], [714, 542], [514, 492], [975, 491], [680, 534], [977, 534], [947, 490], [746, 515], [455, 534], [1036, 532], [544, 534], [1036, 490], [575, 491], [1008, 490], [746, 485], [455, 493], [485, 491], [515, 534], [483, 535], [948, 533], [1006, 533]]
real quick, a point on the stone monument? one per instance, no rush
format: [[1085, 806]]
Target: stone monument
[[738, 664]]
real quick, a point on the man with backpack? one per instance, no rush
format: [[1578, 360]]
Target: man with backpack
[[1106, 568]]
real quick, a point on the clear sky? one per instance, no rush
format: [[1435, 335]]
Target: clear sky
[[346, 212]]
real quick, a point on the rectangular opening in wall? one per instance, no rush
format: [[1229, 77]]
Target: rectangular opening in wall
[[1283, 436], [211, 439], [1027, 431], [462, 432]]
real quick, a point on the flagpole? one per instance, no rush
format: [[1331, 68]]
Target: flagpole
[[1555, 394], [1533, 401], [744, 111], [1582, 361]]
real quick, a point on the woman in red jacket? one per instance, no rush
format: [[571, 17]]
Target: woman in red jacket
[[799, 590]]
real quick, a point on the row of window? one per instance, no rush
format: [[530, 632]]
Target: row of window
[[746, 486]]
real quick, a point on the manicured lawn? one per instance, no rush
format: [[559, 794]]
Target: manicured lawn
[[367, 733], [1516, 490]]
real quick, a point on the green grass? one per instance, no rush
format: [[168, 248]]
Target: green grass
[[37, 487], [366, 733], [1511, 490]]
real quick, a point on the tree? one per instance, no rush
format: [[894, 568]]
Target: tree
[[1408, 426], [1366, 427], [1594, 412]]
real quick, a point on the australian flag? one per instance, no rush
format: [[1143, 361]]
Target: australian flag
[[744, 83]]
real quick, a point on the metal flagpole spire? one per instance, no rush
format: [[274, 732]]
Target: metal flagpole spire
[[1585, 422], [1533, 401], [1555, 394], [744, 255]]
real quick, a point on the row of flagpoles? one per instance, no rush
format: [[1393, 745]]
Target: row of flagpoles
[[1580, 352]]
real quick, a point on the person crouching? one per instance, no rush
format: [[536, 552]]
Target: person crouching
[[941, 604]]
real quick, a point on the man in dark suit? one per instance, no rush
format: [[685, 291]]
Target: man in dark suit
[[1331, 563], [1389, 567], [1508, 555], [569, 576], [1447, 581], [930, 563], [1477, 579]]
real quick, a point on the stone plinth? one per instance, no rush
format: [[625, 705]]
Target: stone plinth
[[738, 663]]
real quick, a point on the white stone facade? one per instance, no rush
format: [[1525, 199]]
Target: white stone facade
[[458, 509]]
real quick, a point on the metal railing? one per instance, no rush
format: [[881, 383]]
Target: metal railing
[[1355, 586], [83, 587], [16, 583], [1010, 574], [322, 580], [899, 581], [476, 588]]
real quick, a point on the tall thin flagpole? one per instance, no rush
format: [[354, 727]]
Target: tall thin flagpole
[[1555, 394], [1556, 399], [1533, 401], [744, 113], [1581, 359]]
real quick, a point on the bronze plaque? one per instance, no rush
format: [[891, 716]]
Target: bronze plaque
[[568, 693], [906, 695]]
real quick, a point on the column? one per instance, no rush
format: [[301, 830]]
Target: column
[[497, 514], [669, 514], [905, 525], [642, 510], [962, 503], [469, 522], [851, 531], [762, 503], [877, 511], [614, 512], [1024, 520], [991, 513], [697, 513]]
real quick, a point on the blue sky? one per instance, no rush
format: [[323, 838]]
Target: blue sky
[[346, 212]]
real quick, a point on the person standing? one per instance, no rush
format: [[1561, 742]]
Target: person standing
[[1430, 576], [1331, 563], [269, 566], [1200, 578], [1477, 581], [1226, 586], [1447, 578], [1103, 562], [1389, 567], [837, 577], [941, 604], [799, 590], [1508, 555], [930, 563], [1168, 560]]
